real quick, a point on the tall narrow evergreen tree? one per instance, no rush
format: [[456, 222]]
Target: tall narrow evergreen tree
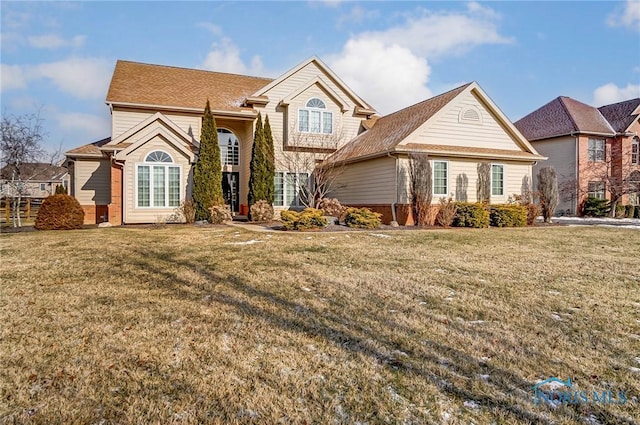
[[270, 162], [207, 175], [262, 167]]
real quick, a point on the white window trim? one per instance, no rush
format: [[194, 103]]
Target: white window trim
[[433, 177], [166, 181], [635, 142], [296, 196], [226, 146], [504, 179], [321, 110], [604, 150], [604, 189]]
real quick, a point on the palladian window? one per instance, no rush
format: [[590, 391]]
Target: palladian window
[[315, 118], [158, 181]]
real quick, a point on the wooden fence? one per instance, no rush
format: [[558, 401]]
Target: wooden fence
[[28, 210]]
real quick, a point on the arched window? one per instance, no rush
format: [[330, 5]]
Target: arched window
[[635, 151], [158, 181], [315, 118], [229, 147]]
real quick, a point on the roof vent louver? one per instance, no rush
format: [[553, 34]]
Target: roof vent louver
[[471, 115]]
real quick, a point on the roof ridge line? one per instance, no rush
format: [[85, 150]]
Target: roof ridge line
[[564, 106], [192, 69]]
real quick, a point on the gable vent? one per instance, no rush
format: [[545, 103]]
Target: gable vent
[[471, 115]]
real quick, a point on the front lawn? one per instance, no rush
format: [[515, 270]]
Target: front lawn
[[181, 324]]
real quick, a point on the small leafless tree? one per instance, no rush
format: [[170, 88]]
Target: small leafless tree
[[21, 143], [421, 187], [548, 192], [306, 153], [483, 189]]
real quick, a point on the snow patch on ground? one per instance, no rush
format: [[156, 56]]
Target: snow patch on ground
[[251, 242], [627, 223], [379, 235], [471, 404]]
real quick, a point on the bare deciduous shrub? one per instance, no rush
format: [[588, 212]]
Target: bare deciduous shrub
[[548, 192], [421, 183], [188, 210], [447, 212], [60, 212], [220, 214], [484, 182], [332, 207], [262, 211]]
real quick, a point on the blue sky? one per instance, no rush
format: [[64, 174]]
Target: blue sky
[[58, 56]]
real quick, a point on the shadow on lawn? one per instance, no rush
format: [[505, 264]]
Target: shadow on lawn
[[434, 362]]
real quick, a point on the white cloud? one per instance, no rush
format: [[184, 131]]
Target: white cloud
[[83, 78], [55, 41], [388, 76], [356, 15], [212, 28], [611, 93], [10, 41], [91, 126], [11, 78], [225, 57], [444, 33], [628, 16], [390, 68]]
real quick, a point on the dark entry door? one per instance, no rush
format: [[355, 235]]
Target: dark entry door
[[230, 189]]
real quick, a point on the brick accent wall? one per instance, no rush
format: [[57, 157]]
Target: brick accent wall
[[404, 215]]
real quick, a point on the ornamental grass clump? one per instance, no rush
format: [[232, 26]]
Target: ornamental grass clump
[[262, 211]]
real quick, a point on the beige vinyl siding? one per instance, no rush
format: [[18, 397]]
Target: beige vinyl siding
[[447, 129], [92, 181], [124, 119], [463, 179], [133, 214], [284, 119], [367, 182], [561, 154]]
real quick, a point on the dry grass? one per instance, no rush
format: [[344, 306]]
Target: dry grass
[[179, 324]]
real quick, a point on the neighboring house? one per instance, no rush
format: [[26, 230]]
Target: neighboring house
[[458, 130], [35, 180], [595, 151], [143, 171]]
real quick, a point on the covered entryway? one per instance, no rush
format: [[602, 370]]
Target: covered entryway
[[230, 190]]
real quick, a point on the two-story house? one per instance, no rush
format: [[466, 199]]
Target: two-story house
[[595, 151], [142, 172]]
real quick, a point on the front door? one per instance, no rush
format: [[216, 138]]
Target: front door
[[230, 190]]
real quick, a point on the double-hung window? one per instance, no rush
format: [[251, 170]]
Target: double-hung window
[[440, 178], [289, 189], [635, 151], [597, 190], [596, 150], [315, 118], [497, 180], [158, 181]]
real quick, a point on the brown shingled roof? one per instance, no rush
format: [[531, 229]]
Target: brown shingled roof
[[140, 83], [91, 149], [34, 171], [391, 129], [620, 115], [563, 116]]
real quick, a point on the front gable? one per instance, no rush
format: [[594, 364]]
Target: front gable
[[156, 128], [470, 120]]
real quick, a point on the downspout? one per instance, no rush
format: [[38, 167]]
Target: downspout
[[122, 197], [577, 154], [393, 204]]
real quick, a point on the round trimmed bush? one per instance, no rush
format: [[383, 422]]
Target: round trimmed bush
[[60, 212]]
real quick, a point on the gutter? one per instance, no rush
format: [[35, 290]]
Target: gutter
[[393, 204]]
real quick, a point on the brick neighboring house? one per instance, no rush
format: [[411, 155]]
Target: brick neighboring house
[[595, 151], [39, 180]]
